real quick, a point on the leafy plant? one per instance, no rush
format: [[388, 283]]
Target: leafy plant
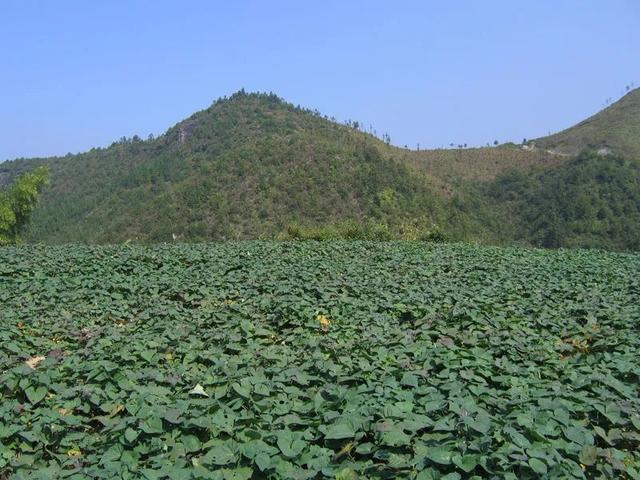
[[318, 360], [17, 203]]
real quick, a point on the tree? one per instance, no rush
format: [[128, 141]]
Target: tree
[[18, 202], [495, 142]]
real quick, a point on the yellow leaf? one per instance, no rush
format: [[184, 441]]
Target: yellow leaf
[[117, 409], [324, 322], [346, 450], [74, 452], [33, 362], [64, 411]]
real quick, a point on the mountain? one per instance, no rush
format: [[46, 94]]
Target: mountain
[[254, 166], [615, 129]]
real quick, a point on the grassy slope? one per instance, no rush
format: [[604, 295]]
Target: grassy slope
[[453, 169], [616, 128]]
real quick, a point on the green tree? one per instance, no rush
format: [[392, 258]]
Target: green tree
[[17, 203]]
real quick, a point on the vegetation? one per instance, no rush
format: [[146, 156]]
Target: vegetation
[[452, 171], [368, 230], [615, 129], [318, 359], [17, 203], [591, 201], [246, 167], [255, 167]]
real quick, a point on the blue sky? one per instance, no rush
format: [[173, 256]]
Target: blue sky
[[78, 74]]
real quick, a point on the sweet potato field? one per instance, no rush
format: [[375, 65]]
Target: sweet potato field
[[318, 360]]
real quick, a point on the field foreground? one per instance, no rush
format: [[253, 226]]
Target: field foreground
[[313, 360]]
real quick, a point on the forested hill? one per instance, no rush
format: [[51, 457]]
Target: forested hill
[[254, 166], [246, 167]]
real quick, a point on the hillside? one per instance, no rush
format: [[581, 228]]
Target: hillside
[[452, 169], [245, 167], [615, 129], [254, 166], [590, 201]]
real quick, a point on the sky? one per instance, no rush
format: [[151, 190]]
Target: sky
[[77, 74]]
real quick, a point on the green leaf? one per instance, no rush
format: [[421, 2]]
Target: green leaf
[[375, 393], [290, 444], [35, 394], [263, 461], [517, 438], [191, 443], [579, 435], [173, 416], [466, 462], [409, 380], [439, 455], [427, 474], [130, 435], [240, 473], [482, 422], [112, 454], [242, 391], [588, 455], [220, 454], [538, 466], [451, 476], [339, 431], [347, 474], [395, 438], [148, 355], [152, 425]]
